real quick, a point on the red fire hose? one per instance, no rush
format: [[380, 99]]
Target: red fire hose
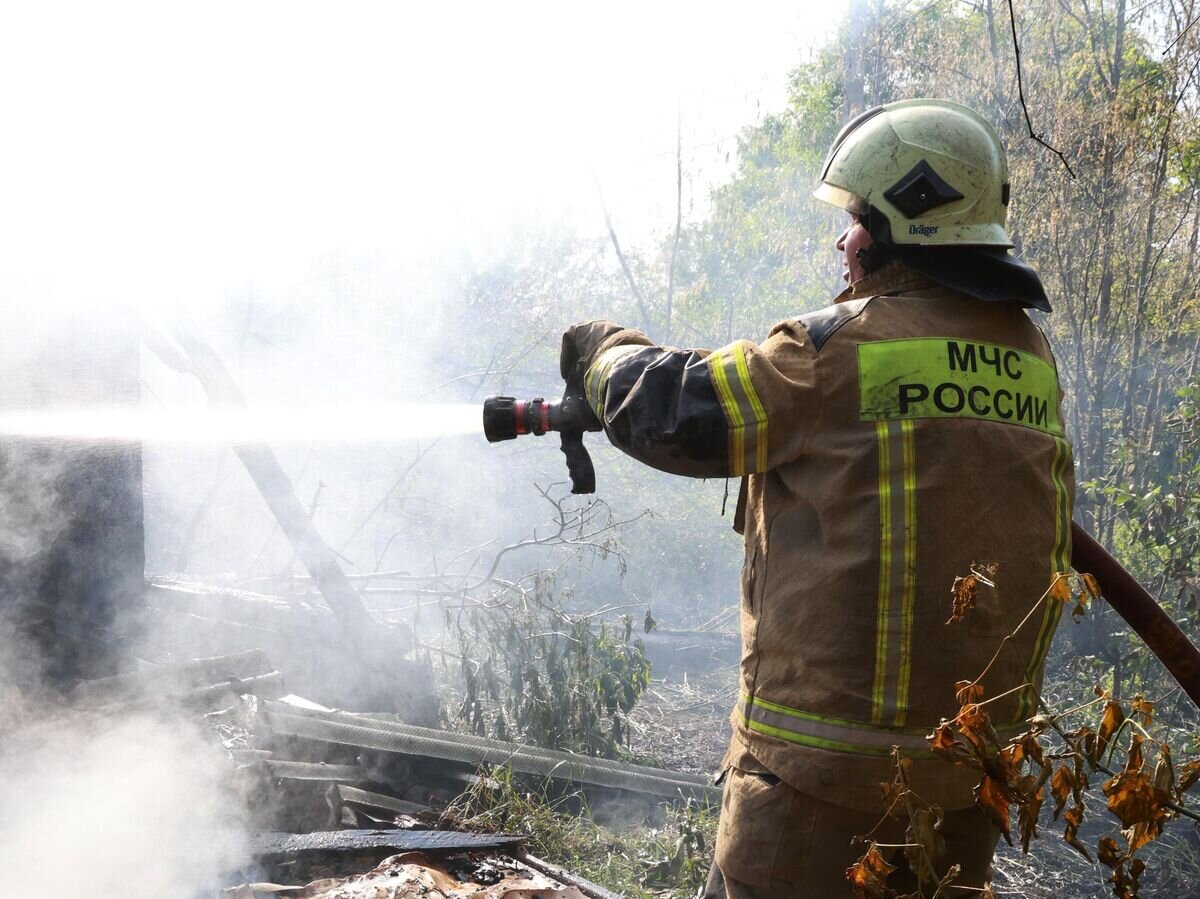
[[1140, 610]]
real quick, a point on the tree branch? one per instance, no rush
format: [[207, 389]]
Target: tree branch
[[637, 294], [1012, 18]]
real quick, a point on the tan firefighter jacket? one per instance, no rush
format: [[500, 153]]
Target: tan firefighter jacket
[[890, 442]]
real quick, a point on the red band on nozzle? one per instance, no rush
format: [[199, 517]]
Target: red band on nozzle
[[519, 411], [545, 416]]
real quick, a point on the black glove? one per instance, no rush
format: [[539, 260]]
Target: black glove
[[579, 345]]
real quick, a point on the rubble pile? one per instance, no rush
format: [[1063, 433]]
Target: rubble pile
[[344, 804]]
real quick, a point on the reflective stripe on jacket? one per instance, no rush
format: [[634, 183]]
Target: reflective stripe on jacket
[[891, 442]]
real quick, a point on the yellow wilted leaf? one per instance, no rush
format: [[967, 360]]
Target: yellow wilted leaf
[[1113, 718], [1143, 707], [1092, 586], [991, 796], [1060, 587], [868, 876]]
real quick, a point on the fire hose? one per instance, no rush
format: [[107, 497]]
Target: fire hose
[[1141, 611], [505, 418]]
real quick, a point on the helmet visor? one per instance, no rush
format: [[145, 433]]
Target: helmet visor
[[841, 198]]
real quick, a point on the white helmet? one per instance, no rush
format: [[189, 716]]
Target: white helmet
[[934, 170]]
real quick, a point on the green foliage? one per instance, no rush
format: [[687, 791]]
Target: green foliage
[[548, 677], [667, 859]]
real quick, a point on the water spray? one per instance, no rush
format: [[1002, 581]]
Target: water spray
[[506, 418], [357, 423]]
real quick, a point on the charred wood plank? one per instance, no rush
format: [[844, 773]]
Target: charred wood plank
[[448, 747], [554, 872], [272, 846]]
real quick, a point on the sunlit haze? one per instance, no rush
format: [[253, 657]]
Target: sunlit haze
[[160, 151]]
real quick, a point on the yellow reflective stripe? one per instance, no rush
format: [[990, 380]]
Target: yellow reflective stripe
[[910, 570], [744, 411], [732, 414], [897, 592], [1058, 564], [840, 734], [595, 381], [837, 734], [822, 743], [885, 569], [760, 414]]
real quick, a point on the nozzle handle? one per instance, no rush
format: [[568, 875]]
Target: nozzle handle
[[579, 463]]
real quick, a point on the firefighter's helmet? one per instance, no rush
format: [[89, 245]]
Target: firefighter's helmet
[[933, 170]]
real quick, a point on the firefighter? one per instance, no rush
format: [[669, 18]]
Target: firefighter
[[886, 445]]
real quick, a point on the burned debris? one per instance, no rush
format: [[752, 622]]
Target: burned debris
[[341, 803]]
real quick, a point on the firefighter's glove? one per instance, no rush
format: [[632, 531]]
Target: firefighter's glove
[[579, 345]]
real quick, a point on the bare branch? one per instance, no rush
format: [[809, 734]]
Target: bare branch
[[678, 223], [1012, 18], [612, 234], [1179, 36]]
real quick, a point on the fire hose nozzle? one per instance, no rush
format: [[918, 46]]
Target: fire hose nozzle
[[505, 418]]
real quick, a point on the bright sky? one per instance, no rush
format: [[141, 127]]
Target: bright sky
[[175, 149]]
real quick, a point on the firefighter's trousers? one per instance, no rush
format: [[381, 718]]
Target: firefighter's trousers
[[777, 843]]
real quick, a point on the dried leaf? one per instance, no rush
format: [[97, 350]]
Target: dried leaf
[[967, 692], [992, 797], [1074, 817], [976, 728], [1131, 797], [892, 794], [1005, 767], [868, 876], [945, 743], [1027, 746], [1110, 721], [1028, 811], [963, 597], [1134, 761], [925, 843], [945, 882], [1060, 587], [1144, 708], [1109, 853], [1188, 775], [1092, 586], [1126, 881], [1145, 831], [1062, 784], [1164, 774]]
